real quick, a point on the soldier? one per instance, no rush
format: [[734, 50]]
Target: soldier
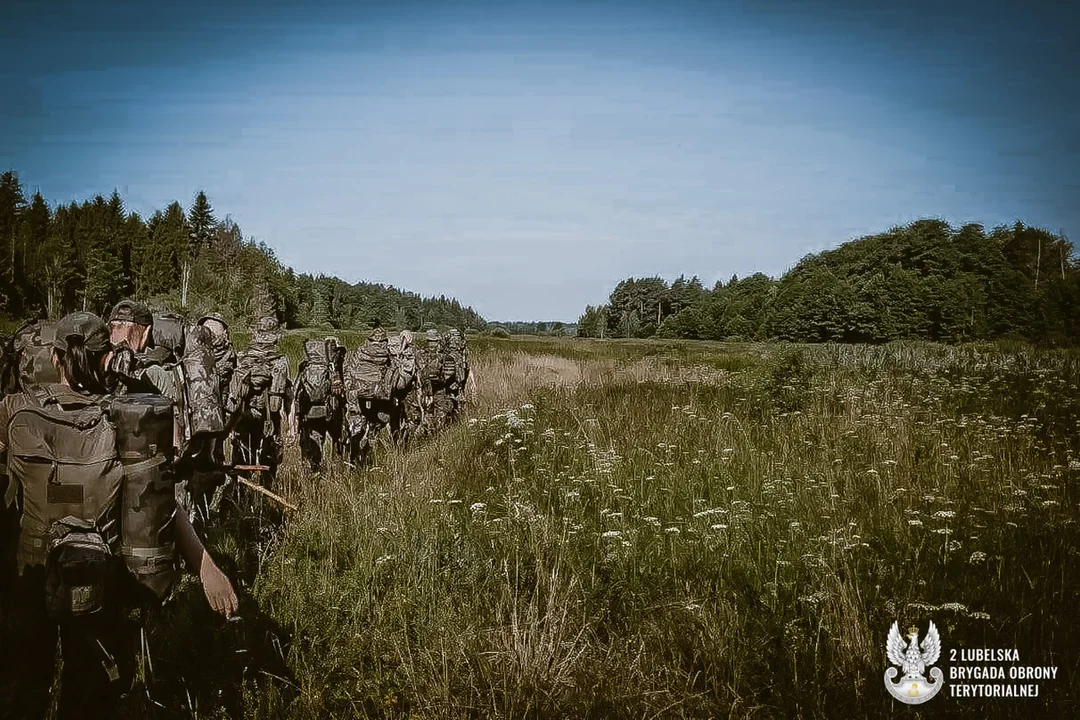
[[430, 381], [315, 392], [367, 397], [260, 393], [70, 580], [337, 395], [205, 483], [158, 354], [455, 369], [130, 334], [442, 373], [224, 355], [413, 403]]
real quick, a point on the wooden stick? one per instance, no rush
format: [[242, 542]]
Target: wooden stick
[[259, 488]]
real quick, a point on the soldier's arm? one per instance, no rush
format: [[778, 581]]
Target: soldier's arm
[[219, 591]]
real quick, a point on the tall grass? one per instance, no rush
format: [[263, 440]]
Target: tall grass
[[641, 530]]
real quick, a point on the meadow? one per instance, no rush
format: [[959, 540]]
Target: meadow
[[647, 529]]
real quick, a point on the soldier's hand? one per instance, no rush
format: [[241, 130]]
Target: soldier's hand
[[219, 591]]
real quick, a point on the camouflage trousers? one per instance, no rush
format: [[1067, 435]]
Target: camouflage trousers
[[444, 408], [365, 419], [195, 493], [313, 433]]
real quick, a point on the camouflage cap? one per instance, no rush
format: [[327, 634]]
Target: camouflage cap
[[131, 311], [377, 335], [85, 326], [432, 335]]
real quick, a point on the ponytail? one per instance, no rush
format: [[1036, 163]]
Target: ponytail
[[82, 367]]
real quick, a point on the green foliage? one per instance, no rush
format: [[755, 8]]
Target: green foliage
[[926, 281], [616, 533], [89, 255]]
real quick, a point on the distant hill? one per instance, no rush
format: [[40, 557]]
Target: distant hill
[[926, 280]]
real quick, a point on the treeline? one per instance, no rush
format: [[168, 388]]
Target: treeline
[[926, 280], [553, 328], [88, 255]]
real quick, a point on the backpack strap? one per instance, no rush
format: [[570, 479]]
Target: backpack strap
[[40, 395]]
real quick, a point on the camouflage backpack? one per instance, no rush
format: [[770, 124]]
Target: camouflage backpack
[[28, 358], [365, 371], [314, 381], [403, 366], [202, 409], [455, 367], [261, 375]]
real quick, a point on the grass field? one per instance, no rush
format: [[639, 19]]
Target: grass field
[[653, 530]]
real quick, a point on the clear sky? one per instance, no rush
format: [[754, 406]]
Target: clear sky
[[525, 157]]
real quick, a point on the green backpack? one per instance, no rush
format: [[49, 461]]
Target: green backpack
[[92, 495]]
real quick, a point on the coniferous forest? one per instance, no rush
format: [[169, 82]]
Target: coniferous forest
[[60, 258], [926, 280]]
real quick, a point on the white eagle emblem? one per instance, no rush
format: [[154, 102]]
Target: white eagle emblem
[[913, 659]]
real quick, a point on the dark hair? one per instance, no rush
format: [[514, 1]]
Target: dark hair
[[82, 367]]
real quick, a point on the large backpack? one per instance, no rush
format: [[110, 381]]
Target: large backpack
[[62, 451], [202, 409], [91, 494], [365, 371], [168, 332], [315, 380], [260, 373], [403, 368]]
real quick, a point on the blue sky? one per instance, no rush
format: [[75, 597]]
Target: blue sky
[[525, 157]]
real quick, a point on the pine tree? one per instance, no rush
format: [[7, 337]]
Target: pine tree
[[12, 204], [200, 233]]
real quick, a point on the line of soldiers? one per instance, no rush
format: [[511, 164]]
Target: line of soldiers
[[347, 397], [113, 440]]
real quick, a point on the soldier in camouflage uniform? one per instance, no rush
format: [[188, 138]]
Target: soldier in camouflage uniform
[[179, 363], [205, 483], [367, 398], [442, 375], [413, 403], [429, 385], [455, 369], [260, 392], [336, 421], [318, 389]]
